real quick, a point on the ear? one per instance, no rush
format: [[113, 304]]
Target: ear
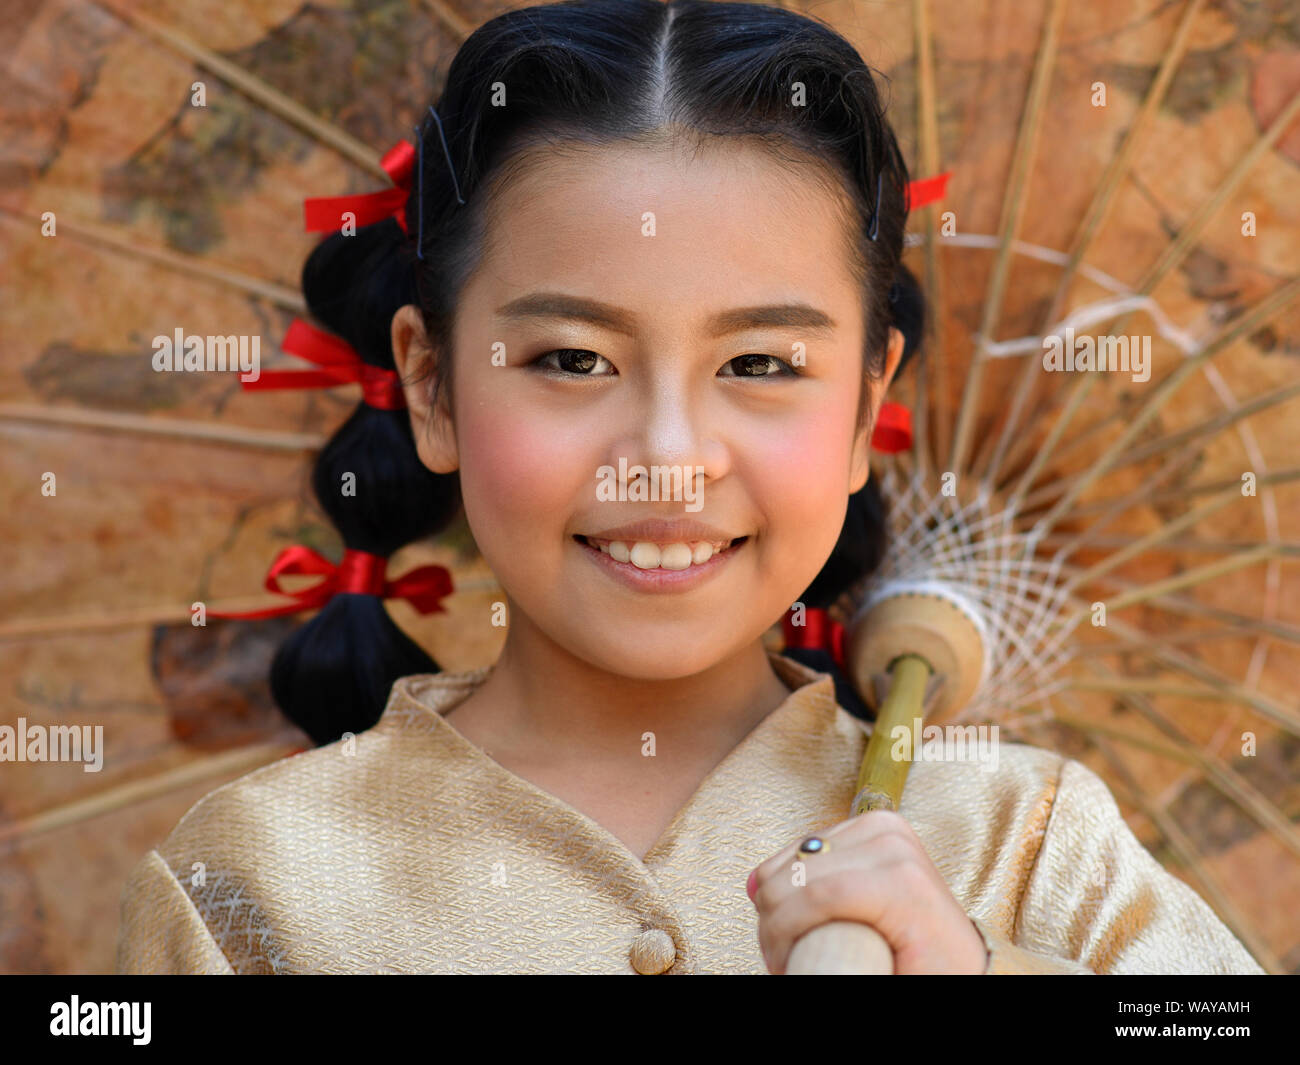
[[416, 361], [860, 468]]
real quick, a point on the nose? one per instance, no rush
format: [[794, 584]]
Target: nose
[[674, 424]]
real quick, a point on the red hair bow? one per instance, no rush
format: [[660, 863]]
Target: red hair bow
[[927, 190], [893, 429], [359, 573], [323, 214], [818, 631], [342, 365]]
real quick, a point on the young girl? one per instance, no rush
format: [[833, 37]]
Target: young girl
[[655, 235]]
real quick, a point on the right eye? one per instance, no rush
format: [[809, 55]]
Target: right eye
[[575, 362]]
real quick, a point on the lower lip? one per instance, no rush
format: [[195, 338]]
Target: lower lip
[[659, 579]]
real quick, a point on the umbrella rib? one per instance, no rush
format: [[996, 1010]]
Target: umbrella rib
[[54, 627], [928, 141], [1177, 604], [1191, 860], [114, 421], [1078, 390], [241, 760], [1145, 685], [1190, 578], [1186, 239], [1157, 536], [1232, 631], [1247, 323], [1277, 630], [1280, 715], [116, 239], [1081, 388], [251, 86], [1091, 222], [1180, 495], [1013, 205], [1213, 426], [1286, 548], [1171, 466], [1183, 243], [1199, 433], [1026, 442], [1226, 780], [1119, 164], [1175, 253]]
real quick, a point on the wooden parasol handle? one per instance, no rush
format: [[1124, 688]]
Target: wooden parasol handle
[[841, 948], [851, 948], [908, 638]]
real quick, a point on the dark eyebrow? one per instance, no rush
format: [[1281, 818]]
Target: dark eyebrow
[[799, 316]]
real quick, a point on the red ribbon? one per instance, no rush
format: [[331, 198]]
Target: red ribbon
[[379, 388], [323, 214], [818, 631], [359, 573], [893, 431], [927, 190]]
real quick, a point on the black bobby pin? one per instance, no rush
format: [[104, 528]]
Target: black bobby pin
[[875, 216], [419, 140]]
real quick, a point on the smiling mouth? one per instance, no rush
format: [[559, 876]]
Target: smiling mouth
[[670, 556]]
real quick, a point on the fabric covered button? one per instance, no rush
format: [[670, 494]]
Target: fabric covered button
[[653, 952]]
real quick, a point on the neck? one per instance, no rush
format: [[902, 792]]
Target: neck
[[545, 705]]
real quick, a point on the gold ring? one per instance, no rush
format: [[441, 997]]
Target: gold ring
[[813, 845]]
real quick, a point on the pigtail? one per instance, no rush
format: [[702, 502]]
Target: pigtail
[[334, 673]]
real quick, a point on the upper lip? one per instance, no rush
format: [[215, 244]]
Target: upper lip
[[663, 531]]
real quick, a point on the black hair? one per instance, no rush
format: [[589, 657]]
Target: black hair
[[577, 73], [333, 675]]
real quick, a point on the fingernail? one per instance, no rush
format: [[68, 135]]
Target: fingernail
[[751, 884]]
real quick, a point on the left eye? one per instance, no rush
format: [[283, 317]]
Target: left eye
[[575, 362], [758, 366]]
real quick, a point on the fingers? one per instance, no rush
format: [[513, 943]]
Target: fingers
[[865, 875], [869, 885], [855, 829]]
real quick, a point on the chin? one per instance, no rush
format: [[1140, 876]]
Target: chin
[[672, 657]]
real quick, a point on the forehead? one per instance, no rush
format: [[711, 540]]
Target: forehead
[[665, 228]]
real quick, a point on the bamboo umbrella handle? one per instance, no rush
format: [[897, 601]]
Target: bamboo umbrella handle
[[907, 638], [841, 948], [851, 948]]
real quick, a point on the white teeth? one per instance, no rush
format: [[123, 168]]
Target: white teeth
[[675, 556], [646, 555]]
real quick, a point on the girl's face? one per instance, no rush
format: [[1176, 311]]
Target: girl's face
[[648, 307]]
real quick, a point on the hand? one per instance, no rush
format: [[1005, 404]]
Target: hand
[[875, 871]]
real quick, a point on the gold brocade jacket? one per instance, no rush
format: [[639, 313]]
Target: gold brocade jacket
[[408, 849]]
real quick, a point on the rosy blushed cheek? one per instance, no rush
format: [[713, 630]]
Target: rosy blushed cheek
[[802, 465], [519, 468]]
